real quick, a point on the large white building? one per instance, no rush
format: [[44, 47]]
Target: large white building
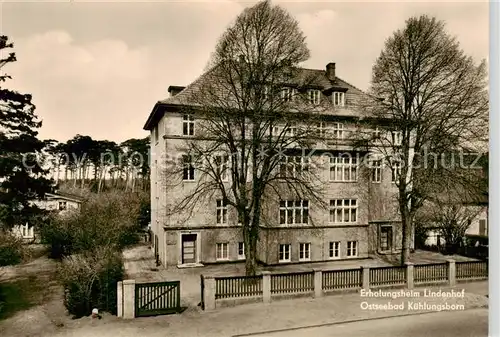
[[362, 217]]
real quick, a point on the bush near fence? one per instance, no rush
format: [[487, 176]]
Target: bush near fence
[[243, 287], [90, 281]]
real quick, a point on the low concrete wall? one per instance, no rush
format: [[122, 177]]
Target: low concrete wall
[[319, 290]]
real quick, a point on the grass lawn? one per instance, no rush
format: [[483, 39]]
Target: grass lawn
[[21, 294]]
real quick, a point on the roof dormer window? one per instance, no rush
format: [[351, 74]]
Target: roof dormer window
[[338, 98], [314, 96], [287, 94]]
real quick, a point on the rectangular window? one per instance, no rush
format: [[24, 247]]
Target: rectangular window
[[482, 227], [338, 130], [264, 92], [321, 129], [221, 167], [291, 130], [338, 98], [267, 92], [62, 205], [396, 170], [376, 133], [274, 131], [376, 171], [156, 136], [241, 250], [222, 251], [27, 231], [352, 248], [188, 125], [314, 96], [294, 212], [397, 138], [188, 168], [385, 238], [284, 253], [288, 94], [221, 212], [343, 210], [293, 166], [343, 168], [304, 251], [334, 249]]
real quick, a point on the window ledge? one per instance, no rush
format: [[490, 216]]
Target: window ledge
[[189, 265]]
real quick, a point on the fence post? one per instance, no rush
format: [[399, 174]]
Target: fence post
[[318, 282], [129, 299], [266, 287], [209, 293], [410, 280], [452, 277], [365, 277], [119, 299]]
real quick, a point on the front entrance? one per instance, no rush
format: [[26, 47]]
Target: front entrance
[[188, 248], [386, 238]]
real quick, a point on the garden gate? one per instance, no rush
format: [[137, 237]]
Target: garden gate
[[157, 298]]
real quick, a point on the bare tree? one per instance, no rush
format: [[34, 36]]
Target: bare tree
[[254, 122], [429, 99]]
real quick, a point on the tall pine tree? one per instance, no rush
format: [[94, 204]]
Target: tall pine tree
[[21, 173]]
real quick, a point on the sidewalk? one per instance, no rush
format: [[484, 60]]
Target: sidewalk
[[254, 318]]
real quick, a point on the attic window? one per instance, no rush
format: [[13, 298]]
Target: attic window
[[287, 94], [188, 125], [338, 98], [314, 96], [155, 137]]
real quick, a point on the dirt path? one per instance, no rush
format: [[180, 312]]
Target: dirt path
[[35, 299]]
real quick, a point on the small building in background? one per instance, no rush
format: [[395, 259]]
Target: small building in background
[[60, 203]]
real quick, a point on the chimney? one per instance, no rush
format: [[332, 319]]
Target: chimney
[[330, 71], [174, 90]]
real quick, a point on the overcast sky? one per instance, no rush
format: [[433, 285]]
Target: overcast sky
[[98, 68]]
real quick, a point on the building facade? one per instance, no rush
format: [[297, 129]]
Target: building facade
[[360, 217], [61, 204]]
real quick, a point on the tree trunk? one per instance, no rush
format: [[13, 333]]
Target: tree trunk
[[75, 176], [251, 236], [250, 241], [406, 232], [102, 175], [83, 177], [58, 172], [126, 180]]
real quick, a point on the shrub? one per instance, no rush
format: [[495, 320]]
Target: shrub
[[90, 280], [11, 249], [106, 220], [58, 234]]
